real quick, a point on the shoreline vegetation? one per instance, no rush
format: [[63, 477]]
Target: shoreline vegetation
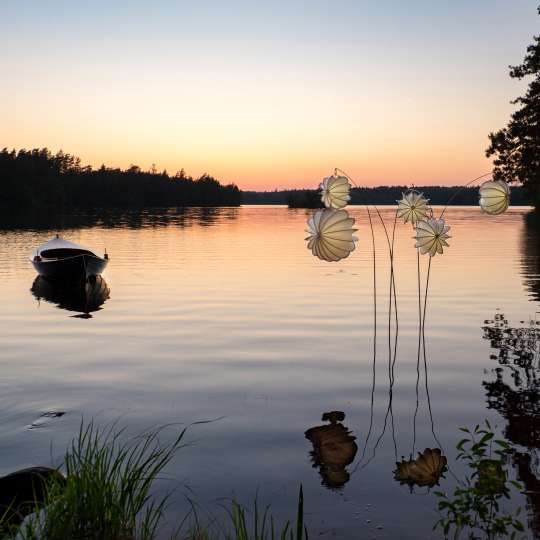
[[103, 491], [381, 196], [38, 179]]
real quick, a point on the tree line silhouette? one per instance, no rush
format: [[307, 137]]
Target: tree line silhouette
[[39, 178], [516, 147], [382, 195]]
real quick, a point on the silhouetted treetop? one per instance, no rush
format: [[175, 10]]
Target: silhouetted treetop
[[517, 146], [381, 195], [38, 178]]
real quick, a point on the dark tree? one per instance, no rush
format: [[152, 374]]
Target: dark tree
[[39, 179], [305, 198], [517, 146], [381, 195]]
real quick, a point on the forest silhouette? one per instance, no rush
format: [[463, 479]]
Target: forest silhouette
[[38, 178], [381, 195]]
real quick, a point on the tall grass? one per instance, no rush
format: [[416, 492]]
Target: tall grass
[[252, 524], [263, 525], [107, 496], [107, 492]]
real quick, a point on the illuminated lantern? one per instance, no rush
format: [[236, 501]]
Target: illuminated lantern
[[494, 197], [335, 192], [413, 207], [431, 236], [331, 234]]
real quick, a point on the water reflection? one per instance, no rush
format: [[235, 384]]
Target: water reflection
[[83, 297], [516, 396], [240, 309], [530, 254], [118, 218], [514, 393], [333, 449], [526, 467], [476, 507], [424, 471]]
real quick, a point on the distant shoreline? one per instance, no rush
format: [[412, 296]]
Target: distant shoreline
[[361, 205], [38, 179], [380, 195]]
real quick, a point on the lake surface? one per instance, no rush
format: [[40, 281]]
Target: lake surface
[[223, 314]]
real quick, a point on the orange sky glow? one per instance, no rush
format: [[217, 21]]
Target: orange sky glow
[[266, 97]]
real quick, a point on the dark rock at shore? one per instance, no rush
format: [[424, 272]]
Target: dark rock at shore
[[22, 491]]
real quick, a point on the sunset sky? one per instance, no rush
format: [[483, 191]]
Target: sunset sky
[[265, 94]]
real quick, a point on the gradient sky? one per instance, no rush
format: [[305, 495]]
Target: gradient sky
[[265, 94]]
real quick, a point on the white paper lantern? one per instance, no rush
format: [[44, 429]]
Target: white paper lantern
[[413, 207], [431, 236], [335, 192], [331, 234], [494, 197]]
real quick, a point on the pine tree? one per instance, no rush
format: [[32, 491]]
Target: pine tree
[[517, 146]]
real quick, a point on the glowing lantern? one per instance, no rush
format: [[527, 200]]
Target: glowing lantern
[[335, 192], [413, 207], [431, 236], [331, 234], [494, 197]]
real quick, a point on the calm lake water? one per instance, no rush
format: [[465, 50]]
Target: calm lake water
[[224, 314]]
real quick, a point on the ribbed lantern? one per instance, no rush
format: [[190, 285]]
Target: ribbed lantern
[[413, 207], [335, 192], [494, 197], [425, 470], [331, 234], [431, 236]]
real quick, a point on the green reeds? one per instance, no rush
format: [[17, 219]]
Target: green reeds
[[262, 526], [249, 524], [106, 495]]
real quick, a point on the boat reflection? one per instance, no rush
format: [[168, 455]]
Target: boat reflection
[[82, 297], [515, 395], [334, 448]]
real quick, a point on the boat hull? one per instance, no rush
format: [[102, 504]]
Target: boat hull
[[76, 267]]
